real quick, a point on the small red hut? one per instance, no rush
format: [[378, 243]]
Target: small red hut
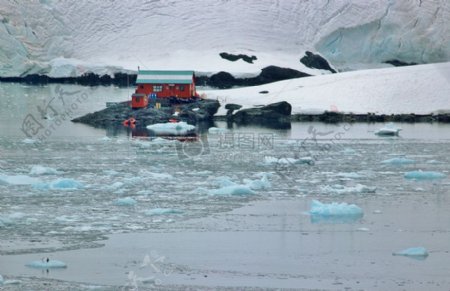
[[174, 85]]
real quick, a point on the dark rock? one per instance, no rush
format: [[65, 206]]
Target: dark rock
[[277, 114], [234, 58], [232, 106], [316, 62], [264, 92], [398, 63], [222, 80]]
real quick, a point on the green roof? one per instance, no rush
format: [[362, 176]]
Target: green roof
[[164, 77]]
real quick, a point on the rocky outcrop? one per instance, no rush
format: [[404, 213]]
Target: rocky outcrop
[[398, 63], [273, 115], [234, 58], [114, 115], [314, 61]]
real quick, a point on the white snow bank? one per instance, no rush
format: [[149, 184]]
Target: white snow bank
[[171, 128], [51, 264], [424, 175], [338, 212], [41, 170], [127, 201], [415, 252], [424, 89]]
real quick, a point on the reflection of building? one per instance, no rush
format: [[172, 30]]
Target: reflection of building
[[163, 86]]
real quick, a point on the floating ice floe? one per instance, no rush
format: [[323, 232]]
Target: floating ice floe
[[232, 190], [17, 180], [127, 201], [388, 130], [162, 211], [262, 184], [398, 161], [424, 175], [28, 141], [217, 130], [288, 161], [341, 189], [419, 253], [350, 175], [172, 128], [43, 264], [60, 184], [41, 170], [334, 212]]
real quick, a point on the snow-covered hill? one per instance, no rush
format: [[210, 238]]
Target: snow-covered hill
[[421, 89], [69, 37]]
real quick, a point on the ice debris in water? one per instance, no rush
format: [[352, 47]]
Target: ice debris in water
[[41, 170], [424, 175], [262, 184], [217, 130], [230, 188], [60, 184], [17, 180], [389, 129], [416, 252], [233, 190], [334, 212], [398, 161], [28, 141], [340, 189], [47, 264], [127, 201], [268, 160], [178, 128], [162, 211]]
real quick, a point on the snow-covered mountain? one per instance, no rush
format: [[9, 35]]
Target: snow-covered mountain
[[63, 38]]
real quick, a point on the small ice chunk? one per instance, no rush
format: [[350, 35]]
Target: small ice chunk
[[334, 212], [424, 175], [389, 129], [162, 211], [68, 184], [420, 253], [234, 190], [262, 184], [43, 264], [217, 130], [17, 180], [223, 181], [268, 160], [398, 161], [340, 189], [41, 170], [172, 128], [377, 211], [127, 201], [363, 229], [29, 141]]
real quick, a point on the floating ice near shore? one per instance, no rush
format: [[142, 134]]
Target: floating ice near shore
[[17, 180], [60, 184], [162, 211], [127, 201], [424, 175], [419, 253], [41, 170], [398, 161], [341, 189], [178, 128], [232, 190], [334, 212], [390, 129], [51, 264]]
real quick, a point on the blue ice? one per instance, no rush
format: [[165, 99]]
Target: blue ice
[[43, 264], [424, 175], [398, 161], [60, 184], [127, 201], [419, 253], [334, 212], [233, 190]]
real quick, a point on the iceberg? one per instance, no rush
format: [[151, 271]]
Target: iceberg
[[127, 201], [50, 264], [41, 170], [388, 130], [424, 175], [398, 161], [17, 180], [334, 212], [419, 253], [172, 128], [162, 211]]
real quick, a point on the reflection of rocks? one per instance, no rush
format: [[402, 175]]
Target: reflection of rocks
[[274, 115], [316, 62], [234, 58], [203, 110]]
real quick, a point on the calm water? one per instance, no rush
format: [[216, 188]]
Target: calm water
[[37, 214]]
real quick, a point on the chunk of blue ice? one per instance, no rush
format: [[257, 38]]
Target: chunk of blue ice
[[41, 170], [420, 253], [60, 184], [233, 190], [424, 175], [398, 161], [43, 264], [162, 211], [127, 201], [334, 212]]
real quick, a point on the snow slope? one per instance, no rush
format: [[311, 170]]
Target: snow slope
[[418, 89], [67, 38]]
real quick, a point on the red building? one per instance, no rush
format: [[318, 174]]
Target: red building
[[176, 85]]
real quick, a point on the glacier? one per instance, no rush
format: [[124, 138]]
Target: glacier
[[63, 38]]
